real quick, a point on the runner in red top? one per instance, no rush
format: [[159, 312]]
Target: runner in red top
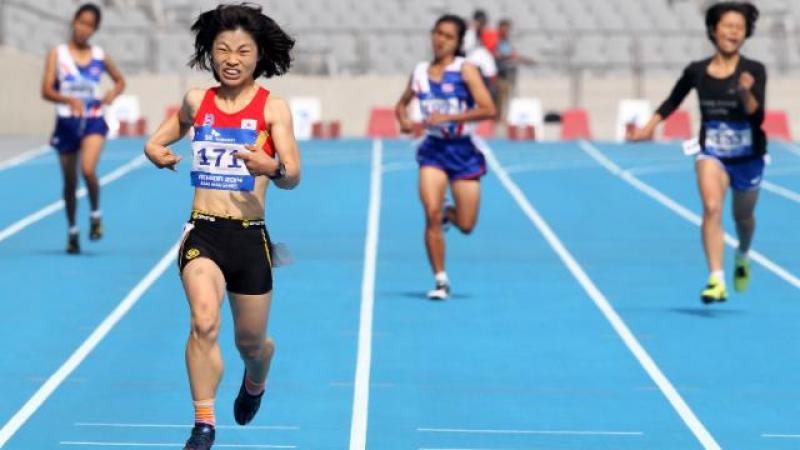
[[242, 139]]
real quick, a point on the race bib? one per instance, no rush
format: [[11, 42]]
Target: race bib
[[214, 165], [441, 106], [79, 88], [728, 139]]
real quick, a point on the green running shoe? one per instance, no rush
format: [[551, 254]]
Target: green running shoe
[[714, 291], [741, 273]]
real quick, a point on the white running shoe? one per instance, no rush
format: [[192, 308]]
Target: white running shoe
[[441, 292]]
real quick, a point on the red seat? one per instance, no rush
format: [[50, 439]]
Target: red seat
[[776, 125], [575, 124], [170, 110], [326, 130], [521, 132], [138, 128], [677, 126], [382, 123], [485, 128]]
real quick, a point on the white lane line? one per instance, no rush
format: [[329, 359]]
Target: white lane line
[[169, 425], [544, 166], [463, 448], [24, 157], [34, 217], [163, 444], [781, 191], [542, 432], [656, 169], [358, 424], [780, 436], [790, 147], [399, 166], [681, 407], [682, 211], [58, 377]]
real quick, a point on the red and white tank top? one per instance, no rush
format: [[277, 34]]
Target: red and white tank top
[[219, 135]]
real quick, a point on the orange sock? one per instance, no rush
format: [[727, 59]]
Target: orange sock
[[252, 387], [204, 412]]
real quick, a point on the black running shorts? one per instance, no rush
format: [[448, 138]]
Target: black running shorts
[[239, 247]]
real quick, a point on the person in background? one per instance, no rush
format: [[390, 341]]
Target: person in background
[[71, 80], [452, 97], [508, 62], [478, 54]]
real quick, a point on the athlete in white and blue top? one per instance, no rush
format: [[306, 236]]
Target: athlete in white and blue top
[[452, 96], [72, 81]]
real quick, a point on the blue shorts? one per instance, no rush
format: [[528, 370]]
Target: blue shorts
[[458, 158], [70, 131], [745, 175]]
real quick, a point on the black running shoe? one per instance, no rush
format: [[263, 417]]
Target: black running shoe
[[202, 437], [73, 244], [96, 229], [246, 406]]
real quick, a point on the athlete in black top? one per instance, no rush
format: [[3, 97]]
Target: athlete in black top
[[732, 143]]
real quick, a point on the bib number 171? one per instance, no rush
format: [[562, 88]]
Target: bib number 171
[[217, 156]]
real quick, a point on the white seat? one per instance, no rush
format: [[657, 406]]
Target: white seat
[[631, 110], [527, 111], [305, 111]]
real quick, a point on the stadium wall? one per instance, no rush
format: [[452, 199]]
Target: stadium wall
[[349, 99]]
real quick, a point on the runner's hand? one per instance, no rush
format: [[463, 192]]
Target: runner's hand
[[640, 134], [746, 81], [161, 156], [108, 98], [437, 119], [76, 106], [406, 126], [257, 161]]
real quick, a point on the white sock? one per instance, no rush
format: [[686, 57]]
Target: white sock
[[441, 277], [74, 230], [743, 255], [719, 275], [96, 214]]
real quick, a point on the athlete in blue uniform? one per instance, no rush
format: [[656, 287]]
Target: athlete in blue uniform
[[452, 96], [732, 145], [72, 81]]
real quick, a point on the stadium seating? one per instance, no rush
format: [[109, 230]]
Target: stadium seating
[[382, 123], [677, 126], [388, 37], [776, 125], [575, 124]]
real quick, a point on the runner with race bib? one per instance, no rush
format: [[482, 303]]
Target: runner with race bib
[[71, 80], [732, 144], [452, 98], [243, 139]]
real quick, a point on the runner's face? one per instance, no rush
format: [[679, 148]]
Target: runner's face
[[83, 27], [729, 34], [444, 38], [235, 56]]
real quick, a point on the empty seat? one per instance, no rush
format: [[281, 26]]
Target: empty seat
[[382, 123], [575, 124], [776, 125], [677, 126]]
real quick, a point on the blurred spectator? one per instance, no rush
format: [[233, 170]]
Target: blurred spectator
[[478, 54], [471, 38], [508, 62]]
